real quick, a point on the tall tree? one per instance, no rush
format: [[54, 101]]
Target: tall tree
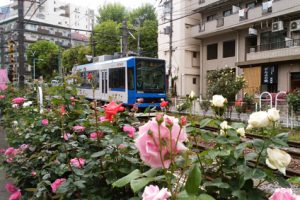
[[75, 56], [45, 54], [107, 38], [113, 11], [149, 38], [145, 12]]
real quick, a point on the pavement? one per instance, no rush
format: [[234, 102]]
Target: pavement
[[3, 193]]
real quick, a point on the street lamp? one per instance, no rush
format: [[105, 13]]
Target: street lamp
[[34, 59]]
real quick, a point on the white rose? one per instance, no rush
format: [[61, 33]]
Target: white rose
[[241, 131], [218, 101], [278, 159], [192, 94], [15, 106], [273, 114], [222, 132], [224, 125], [259, 119], [27, 103]]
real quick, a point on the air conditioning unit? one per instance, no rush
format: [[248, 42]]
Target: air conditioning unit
[[277, 26], [295, 25], [252, 32]]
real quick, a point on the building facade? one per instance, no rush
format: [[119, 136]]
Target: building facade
[[54, 21], [259, 39]]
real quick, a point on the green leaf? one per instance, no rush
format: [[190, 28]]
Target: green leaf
[[294, 180], [138, 184], [240, 194], [98, 154], [205, 122], [151, 172], [194, 180], [205, 197], [30, 189], [217, 183], [80, 184], [254, 174], [126, 179]]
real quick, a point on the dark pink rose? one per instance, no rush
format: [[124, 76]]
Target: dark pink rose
[[55, 185]]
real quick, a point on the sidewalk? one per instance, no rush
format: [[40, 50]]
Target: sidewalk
[[3, 193]]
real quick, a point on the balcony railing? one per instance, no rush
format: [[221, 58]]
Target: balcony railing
[[275, 45]]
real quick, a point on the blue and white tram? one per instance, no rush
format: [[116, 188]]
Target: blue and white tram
[[125, 80]]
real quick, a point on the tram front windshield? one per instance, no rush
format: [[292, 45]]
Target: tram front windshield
[[150, 76]]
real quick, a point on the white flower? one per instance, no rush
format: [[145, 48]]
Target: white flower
[[259, 119], [224, 125], [273, 114], [222, 132], [15, 106], [249, 127], [15, 123], [241, 131], [218, 101], [27, 103], [278, 159], [192, 94]]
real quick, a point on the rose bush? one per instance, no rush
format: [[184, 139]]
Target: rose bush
[[84, 151]]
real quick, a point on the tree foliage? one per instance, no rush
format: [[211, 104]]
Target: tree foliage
[[149, 38], [45, 54], [224, 82], [114, 11], [107, 32], [107, 37], [145, 12], [75, 56]]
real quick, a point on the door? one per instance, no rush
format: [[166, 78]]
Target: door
[[104, 81], [252, 76]]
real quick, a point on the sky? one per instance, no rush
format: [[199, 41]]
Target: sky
[[94, 4]]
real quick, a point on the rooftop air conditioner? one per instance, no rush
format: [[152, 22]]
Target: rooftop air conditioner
[[277, 26], [252, 32], [295, 25]]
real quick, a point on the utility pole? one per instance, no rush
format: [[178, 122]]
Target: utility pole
[[171, 47], [139, 37], [2, 47], [93, 41], [21, 49], [124, 38]]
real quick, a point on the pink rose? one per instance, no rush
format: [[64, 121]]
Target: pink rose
[[95, 135], [78, 129], [283, 194], [77, 162], [2, 96], [33, 173], [55, 185], [67, 136], [152, 192], [45, 122], [150, 140], [11, 188], [121, 146], [129, 129], [18, 100], [103, 119], [16, 195], [10, 151], [183, 121]]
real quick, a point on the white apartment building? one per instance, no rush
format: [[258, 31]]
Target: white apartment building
[[257, 38]]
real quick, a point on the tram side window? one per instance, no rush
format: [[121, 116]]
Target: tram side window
[[130, 79], [117, 78], [86, 83]]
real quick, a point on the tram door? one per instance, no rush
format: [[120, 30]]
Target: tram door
[[104, 81]]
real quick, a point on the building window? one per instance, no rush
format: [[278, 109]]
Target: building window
[[211, 17], [227, 13], [250, 5], [194, 81], [229, 49], [212, 51], [195, 54]]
